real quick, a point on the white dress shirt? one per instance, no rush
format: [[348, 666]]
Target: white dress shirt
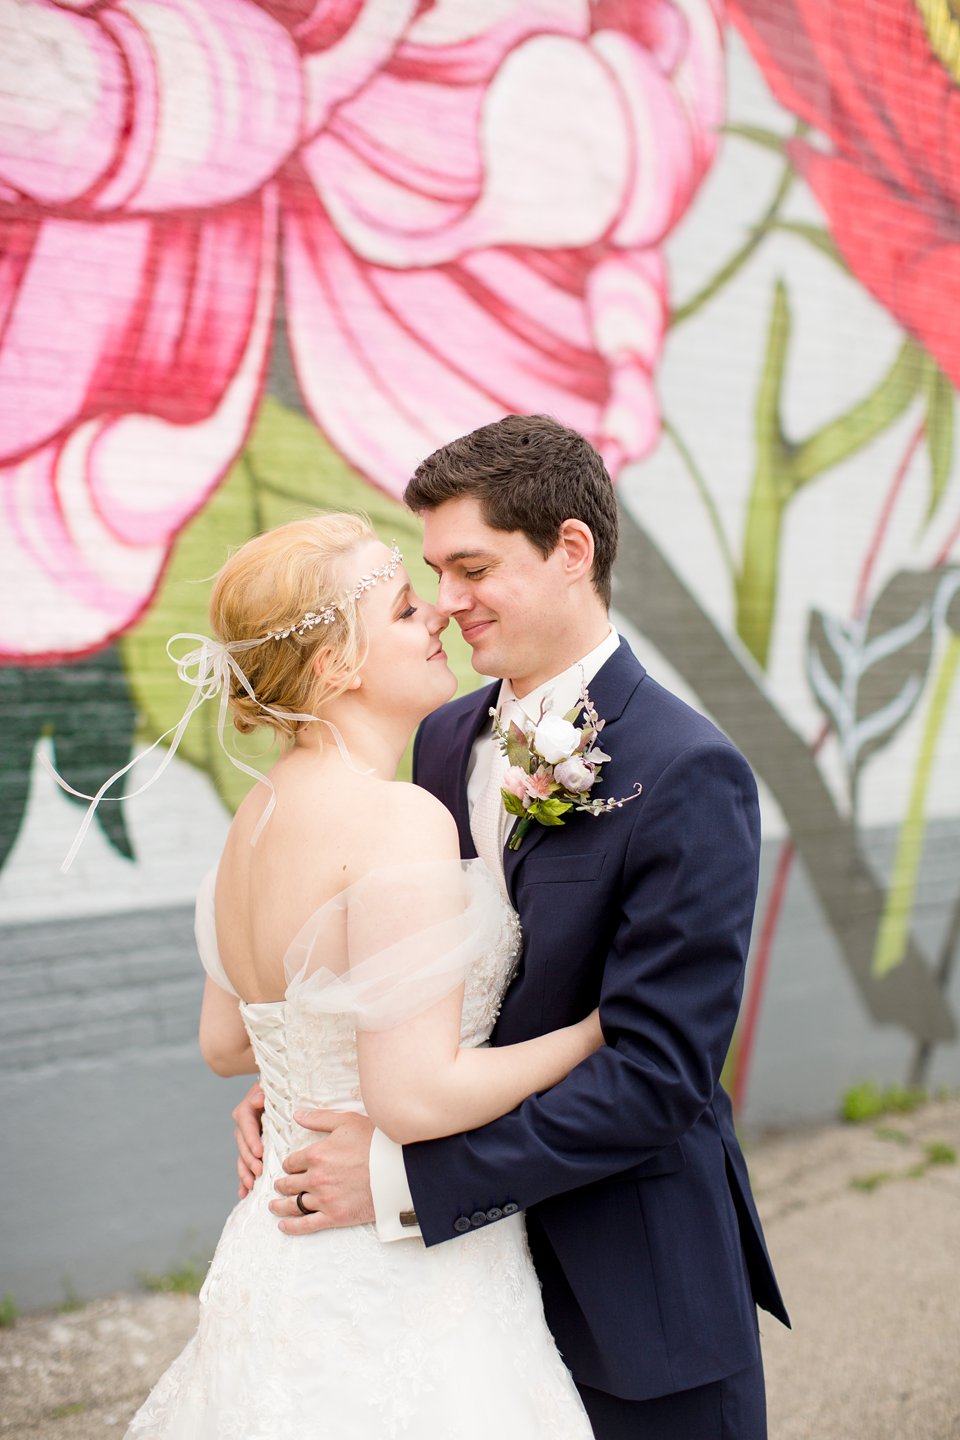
[[388, 1176]]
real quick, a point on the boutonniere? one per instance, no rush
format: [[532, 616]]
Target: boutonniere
[[553, 766]]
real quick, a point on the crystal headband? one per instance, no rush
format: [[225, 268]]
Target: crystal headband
[[327, 617]]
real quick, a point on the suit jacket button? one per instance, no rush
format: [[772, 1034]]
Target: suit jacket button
[[510, 1208], [461, 1224], [478, 1218], [495, 1214]]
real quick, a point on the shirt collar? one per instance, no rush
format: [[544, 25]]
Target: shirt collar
[[562, 692]]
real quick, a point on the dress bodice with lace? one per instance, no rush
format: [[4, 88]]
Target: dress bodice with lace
[[306, 1045], [338, 1335]]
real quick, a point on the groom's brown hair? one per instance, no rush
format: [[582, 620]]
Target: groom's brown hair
[[529, 473]]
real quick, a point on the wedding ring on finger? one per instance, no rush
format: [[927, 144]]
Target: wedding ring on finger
[[301, 1207]]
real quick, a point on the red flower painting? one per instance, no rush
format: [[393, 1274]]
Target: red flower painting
[[880, 79]]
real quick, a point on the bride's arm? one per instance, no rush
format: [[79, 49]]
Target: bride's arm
[[416, 1081], [224, 1042], [417, 1084]]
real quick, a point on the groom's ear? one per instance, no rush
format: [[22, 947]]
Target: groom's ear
[[576, 547]]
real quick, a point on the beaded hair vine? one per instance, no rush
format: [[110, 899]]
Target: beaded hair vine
[[209, 669], [327, 616]]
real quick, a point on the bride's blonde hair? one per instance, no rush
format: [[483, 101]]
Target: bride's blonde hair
[[269, 585]]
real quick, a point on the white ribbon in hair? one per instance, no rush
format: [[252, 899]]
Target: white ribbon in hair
[[207, 669]]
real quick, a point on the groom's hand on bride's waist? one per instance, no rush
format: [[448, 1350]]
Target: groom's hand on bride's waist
[[331, 1176]]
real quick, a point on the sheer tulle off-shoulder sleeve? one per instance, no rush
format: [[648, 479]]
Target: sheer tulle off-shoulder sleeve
[[396, 942], [205, 930]]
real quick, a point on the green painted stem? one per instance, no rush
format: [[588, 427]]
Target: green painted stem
[[783, 467], [756, 583], [740, 257], [700, 484], [893, 930]]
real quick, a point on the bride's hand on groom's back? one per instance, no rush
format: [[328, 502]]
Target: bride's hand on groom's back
[[332, 1176]]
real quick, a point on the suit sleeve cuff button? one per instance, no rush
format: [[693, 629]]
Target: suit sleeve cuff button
[[461, 1224]]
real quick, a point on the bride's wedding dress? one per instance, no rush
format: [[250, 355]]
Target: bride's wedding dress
[[337, 1335]]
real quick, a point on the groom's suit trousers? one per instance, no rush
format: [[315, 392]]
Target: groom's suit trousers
[[729, 1409]]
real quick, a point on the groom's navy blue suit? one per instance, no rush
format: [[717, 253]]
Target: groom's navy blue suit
[[638, 1205]]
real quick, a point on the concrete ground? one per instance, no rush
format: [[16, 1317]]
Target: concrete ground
[[863, 1223]]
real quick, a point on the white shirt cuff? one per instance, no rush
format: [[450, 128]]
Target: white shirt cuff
[[389, 1188]]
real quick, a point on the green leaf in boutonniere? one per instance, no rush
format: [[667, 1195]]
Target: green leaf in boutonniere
[[512, 803], [518, 747], [548, 812]]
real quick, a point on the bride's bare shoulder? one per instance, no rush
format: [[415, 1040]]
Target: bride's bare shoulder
[[417, 820]]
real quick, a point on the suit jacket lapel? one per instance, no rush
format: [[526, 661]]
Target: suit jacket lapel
[[610, 689], [468, 727]]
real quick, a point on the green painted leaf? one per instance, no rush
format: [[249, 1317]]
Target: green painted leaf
[[286, 471], [94, 726], [939, 434], [23, 722], [816, 236], [869, 679], [86, 709]]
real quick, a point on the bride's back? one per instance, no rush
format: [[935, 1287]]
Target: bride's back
[[317, 842]]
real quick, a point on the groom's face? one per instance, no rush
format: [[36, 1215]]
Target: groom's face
[[503, 593]]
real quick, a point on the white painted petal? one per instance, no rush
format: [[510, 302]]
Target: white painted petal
[[554, 155], [554, 145], [61, 101]]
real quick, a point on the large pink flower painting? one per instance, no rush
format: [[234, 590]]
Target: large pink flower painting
[[464, 206]]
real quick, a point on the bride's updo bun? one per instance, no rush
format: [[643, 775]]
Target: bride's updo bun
[[269, 585]]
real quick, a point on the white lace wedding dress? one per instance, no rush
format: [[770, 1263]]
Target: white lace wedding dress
[[336, 1335]]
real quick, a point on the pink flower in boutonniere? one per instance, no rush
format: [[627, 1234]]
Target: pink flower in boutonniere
[[515, 781], [539, 785], [575, 775], [553, 766]]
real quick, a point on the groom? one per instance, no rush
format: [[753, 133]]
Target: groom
[[638, 1207]]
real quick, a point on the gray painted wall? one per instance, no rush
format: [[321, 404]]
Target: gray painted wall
[[119, 1141], [118, 1137]]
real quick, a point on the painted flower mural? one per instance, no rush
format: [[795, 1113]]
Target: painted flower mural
[[464, 206], [881, 80]]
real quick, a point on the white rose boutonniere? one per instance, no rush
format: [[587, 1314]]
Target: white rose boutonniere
[[555, 739], [553, 767]]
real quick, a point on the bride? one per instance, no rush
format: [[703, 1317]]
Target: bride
[[357, 963]]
